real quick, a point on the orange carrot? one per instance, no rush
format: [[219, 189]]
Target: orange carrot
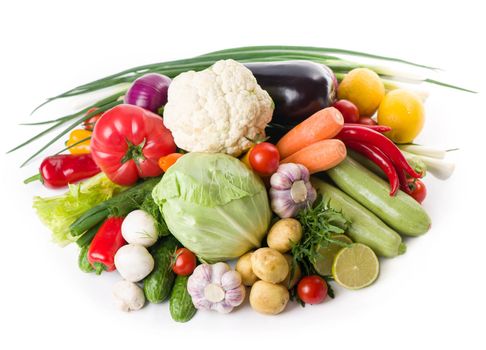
[[319, 156], [167, 161], [322, 125]]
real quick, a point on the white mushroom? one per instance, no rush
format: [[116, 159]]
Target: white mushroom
[[134, 262], [128, 296]]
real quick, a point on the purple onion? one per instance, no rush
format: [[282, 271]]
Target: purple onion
[[149, 92]]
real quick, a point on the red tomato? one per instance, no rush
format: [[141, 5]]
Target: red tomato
[[185, 262], [90, 123], [128, 142], [264, 158], [312, 289], [419, 191], [348, 109], [367, 121]]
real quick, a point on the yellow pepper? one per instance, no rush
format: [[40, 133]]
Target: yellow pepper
[[76, 136]]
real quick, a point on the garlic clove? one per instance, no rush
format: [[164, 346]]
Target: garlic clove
[[218, 270], [202, 272], [231, 280], [222, 308], [236, 296]]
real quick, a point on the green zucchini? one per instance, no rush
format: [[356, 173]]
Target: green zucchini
[[158, 284], [365, 226], [180, 304], [401, 212], [83, 262]]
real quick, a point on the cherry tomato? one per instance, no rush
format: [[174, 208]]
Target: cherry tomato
[[367, 121], [348, 109], [90, 123], [264, 158], [419, 191], [312, 289], [184, 262]]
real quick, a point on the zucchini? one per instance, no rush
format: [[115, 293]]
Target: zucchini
[[180, 304], [83, 262], [365, 226], [401, 212], [158, 284]]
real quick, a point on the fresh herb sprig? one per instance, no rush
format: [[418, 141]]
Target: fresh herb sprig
[[320, 224]]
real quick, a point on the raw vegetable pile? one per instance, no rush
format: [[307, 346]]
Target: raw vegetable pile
[[292, 164]]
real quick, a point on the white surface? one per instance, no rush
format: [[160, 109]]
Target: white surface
[[433, 296]]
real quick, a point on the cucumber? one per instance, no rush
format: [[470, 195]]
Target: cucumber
[[83, 262], [365, 226], [180, 304], [401, 212], [158, 284]]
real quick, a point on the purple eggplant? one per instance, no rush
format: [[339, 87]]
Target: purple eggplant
[[298, 88]]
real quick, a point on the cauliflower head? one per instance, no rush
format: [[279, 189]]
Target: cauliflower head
[[217, 110]]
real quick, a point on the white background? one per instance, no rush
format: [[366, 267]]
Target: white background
[[433, 296]]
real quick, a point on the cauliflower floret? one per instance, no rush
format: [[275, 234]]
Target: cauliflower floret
[[217, 110]]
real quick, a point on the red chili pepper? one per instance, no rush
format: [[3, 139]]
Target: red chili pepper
[[403, 181], [63, 169], [366, 135], [379, 128], [379, 158], [105, 244]]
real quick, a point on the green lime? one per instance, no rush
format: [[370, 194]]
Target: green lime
[[323, 264], [355, 267]]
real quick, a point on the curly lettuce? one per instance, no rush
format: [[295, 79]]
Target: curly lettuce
[[58, 212]]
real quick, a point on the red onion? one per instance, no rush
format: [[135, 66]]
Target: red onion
[[149, 92]]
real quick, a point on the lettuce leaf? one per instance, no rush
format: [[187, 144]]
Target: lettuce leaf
[[58, 212]]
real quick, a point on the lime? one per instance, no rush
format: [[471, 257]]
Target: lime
[[364, 88], [355, 267], [323, 264], [403, 111]]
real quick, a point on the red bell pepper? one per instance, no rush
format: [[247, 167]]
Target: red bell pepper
[[63, 169], [105, 244]]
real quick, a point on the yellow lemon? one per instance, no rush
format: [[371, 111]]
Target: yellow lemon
[[364, 88], [403, 111]]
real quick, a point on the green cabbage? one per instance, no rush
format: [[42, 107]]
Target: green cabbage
[[214, 205], [58, 212]]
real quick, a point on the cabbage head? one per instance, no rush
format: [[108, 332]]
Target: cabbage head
[[214, 205]]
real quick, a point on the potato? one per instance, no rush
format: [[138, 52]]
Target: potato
[[268, 298], [282, 233], [297, 273], [269, 265], [243, 266]]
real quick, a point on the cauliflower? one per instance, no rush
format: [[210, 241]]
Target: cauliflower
[[217, 110]]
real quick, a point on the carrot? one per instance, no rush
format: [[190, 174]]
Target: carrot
[[319, 156], [167, 161], [322, 125]]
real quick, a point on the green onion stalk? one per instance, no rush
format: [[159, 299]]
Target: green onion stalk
[[332, 57]]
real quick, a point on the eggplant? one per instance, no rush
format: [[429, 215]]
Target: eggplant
[[298, 88]]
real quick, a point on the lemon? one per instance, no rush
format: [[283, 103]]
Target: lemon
[[364, 88], [323, 264], [403, 111], [355, 267]]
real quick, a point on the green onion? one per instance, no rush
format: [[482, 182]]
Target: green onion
[[328, 56]]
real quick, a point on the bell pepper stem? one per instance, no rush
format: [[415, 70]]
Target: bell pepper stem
[[99, 268], [33, 178]]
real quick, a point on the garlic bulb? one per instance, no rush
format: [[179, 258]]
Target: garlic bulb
[[216, 287], [291, 190]]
